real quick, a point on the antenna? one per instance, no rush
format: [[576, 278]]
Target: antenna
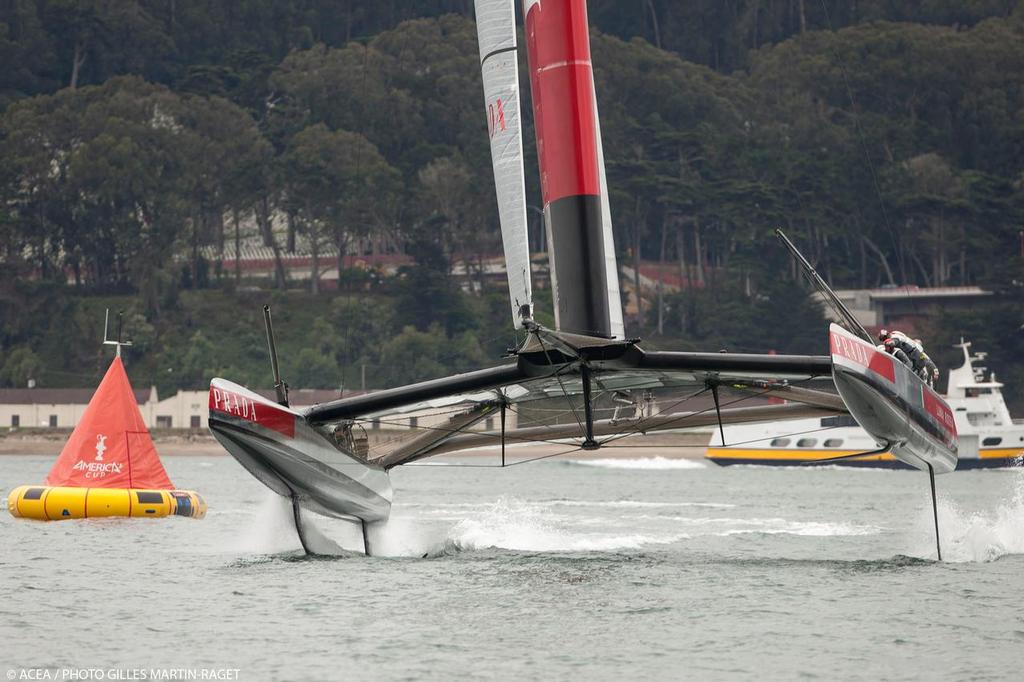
[[280, 387], [107, 341], [852, 322]]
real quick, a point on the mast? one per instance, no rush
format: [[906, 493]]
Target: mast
[[584, 276]]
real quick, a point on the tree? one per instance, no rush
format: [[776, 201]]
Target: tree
[[426, 295], [449, 193], [314, 370], [224, 165], [19, 367], [107, 37], [332, 179]]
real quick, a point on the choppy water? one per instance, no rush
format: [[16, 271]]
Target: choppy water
[[608, 569]]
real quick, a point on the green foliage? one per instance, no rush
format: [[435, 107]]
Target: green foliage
[[414, 355], [313, 369], [426, 294], [885, 137], [19, 366], [747, 314]]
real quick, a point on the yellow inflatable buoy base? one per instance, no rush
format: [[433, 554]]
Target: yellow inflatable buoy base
[[47, 503]]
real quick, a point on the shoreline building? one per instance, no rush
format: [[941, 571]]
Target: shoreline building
[[905, 307], [62, 408]]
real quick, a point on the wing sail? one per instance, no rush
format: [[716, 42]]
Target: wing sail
[[499, 65], [618, 328]]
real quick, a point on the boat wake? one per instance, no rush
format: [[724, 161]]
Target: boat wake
[[513, 525], [272, 531], [521, 526], [980, 536], [725, 527]]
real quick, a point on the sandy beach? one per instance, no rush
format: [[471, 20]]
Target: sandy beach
[[687, 445]]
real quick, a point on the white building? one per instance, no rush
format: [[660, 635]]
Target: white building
[[62, 408]]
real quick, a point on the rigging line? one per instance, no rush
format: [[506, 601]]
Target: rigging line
[[600, 393], [538, 422], [700, 412], [411, 465], [397, 420], [864, 147], [830, 297], [568, 399], [638, 428], [547, 410], [537, 459], [498, 466], [398, 441], [742, 442], [424, 451]]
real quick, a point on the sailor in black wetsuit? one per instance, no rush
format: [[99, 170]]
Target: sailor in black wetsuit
[[930, 372], [910, 353], [890, 347]]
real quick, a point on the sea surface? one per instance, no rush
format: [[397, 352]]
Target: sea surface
[[604, 570]]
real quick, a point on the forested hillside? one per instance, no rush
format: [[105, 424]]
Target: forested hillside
[[886, 137]]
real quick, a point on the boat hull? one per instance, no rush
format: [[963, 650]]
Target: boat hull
[[294, 459], [892, 404]]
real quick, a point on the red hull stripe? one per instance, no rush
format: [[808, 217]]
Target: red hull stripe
[[938, 408], [864, 354], [255, 411], [561, 81]]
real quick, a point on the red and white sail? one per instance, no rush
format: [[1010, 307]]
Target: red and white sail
[[496, 31]]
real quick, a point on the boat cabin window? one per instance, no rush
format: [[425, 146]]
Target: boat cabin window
[[975, 392], [807, 442], [833, 442], [992, 440], [780, 442]]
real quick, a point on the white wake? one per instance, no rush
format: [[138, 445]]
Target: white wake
[[509, 524], [970, 535]]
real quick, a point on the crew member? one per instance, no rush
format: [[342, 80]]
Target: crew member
[[889, 346], [911, 353], [930, 372]]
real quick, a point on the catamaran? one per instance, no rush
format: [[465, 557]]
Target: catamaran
[[558, 385]]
